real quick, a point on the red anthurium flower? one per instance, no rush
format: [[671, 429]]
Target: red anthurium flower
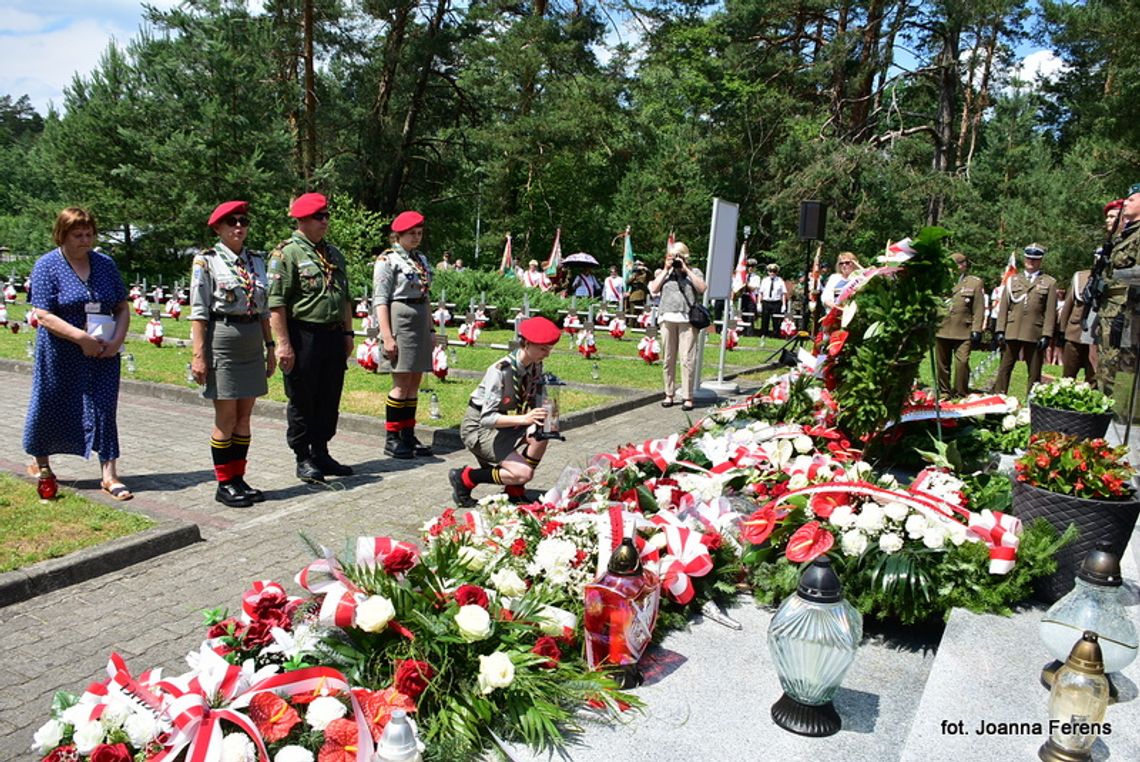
[[823, 505], [273, 716], [379, 705], [835, 342], [808, 543], [756, 527], [340, 742], [471, 595]]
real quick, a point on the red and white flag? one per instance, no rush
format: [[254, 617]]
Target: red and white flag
[[555, 261], [740, 276], [507, 265]]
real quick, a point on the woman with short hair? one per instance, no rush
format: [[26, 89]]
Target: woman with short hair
[[680, 287]]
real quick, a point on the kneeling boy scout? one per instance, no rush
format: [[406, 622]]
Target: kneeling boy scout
[[500, 414]]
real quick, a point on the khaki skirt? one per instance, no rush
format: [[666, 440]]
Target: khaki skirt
[[236, 363], [412, 325]]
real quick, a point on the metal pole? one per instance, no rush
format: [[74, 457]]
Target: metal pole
[[478, 217]]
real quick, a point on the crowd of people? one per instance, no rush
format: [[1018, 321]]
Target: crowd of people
[[252, 315]]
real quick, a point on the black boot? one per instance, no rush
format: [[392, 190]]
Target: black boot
[[231, 495], [397, 447], [419, 449], [308, 472], [328, 466], [253, 495], [460, 493]]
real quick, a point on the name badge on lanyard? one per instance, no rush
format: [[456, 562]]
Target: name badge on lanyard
[[93, 308]]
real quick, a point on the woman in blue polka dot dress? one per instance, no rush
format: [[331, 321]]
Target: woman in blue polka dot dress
[[82, 307]]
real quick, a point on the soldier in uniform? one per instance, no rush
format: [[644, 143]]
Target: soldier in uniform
[[961, 329], [1076, 342], [229, 323], [500, 414], [1111, 344], [311, 316], [1027, 316], [401, 282]]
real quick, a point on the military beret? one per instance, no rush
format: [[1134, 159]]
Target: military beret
[[226, 208], [1035, 251], [307, 205], [406, 221], [1117, 204], [959, 258], [539, 330], [1133, 188]]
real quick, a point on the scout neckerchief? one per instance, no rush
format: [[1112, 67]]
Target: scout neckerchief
[[248, 282], [412, 261], [327, 266], [525, 380]]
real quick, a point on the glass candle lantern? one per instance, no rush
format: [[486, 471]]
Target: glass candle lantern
[[620, 613], [550, 398], [812, 639], [1077, 704], [1093, 604], [47, 487]]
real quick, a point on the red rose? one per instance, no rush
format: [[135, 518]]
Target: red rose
[[105, 752], [548, 647], [228, 626], [62, 754], [399, 560], [412, 677], [471, 595], [711, 539]]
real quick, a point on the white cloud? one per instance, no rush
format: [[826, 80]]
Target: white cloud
[[1043, 64]]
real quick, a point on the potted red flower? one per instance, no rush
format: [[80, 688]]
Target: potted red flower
[[1069, 480]]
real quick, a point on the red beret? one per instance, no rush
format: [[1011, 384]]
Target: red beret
[[307, 205], [1117, 204], [539, 330], [407, 221], [225, 208]]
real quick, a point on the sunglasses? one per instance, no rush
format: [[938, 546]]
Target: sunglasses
[[234, 220], [845, 262], [320, 216]]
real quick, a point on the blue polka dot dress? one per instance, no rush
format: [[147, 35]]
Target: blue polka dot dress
[[74, 398]]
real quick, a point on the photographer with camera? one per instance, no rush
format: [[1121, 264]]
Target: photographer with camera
[[680, 287]]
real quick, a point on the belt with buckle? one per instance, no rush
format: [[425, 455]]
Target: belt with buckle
[[231, 319]]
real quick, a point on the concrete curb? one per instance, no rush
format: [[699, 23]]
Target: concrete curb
[[85, 564]]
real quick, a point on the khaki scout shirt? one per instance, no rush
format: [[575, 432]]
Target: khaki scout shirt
[[967, 310], [497, 393], [216, 287], [396, 279], [299, 281]]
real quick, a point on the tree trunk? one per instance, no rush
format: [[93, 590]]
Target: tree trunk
[[868, 66], [946, 83]]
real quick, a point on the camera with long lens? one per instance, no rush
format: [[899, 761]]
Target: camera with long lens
[[678, 263]]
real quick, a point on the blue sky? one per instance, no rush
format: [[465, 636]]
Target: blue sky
[[43, 44]]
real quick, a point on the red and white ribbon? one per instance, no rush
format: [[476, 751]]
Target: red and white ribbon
[[617, 328], [686, 557], [587, 346], [368, 355], [371, 551], [154, 332], [439, 362], [649, 349], [1001, 533]]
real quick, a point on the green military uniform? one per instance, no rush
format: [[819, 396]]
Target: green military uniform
[[310, 281], [1026, 312], [966, 314], [1114, 349], [1076, 354]]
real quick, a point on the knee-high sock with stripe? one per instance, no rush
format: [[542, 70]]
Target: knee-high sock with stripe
[[399, 414], [239, 452], [484, 475], [409, 419], [221, 450]]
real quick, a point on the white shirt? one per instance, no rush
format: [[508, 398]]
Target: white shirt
[[614, 289], [772, 289]]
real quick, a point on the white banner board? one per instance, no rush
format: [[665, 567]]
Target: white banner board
[[722, 249]]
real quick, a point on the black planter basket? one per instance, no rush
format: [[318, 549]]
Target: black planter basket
[[1083, 425], [1096, 520]]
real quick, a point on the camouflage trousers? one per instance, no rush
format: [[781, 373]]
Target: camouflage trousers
[[1109, 361]]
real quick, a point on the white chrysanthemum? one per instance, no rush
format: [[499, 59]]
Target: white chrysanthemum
[[870, 518], [141, 728], [890, 542], [324, 710], [237, 747], [896, 511], [853, 543], [293, 753]]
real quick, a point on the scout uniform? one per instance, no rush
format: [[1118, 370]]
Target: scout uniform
[[310, 282], [1076, 350], [1027, 317], [508, 388], [960, 331], [228, 292], [401, 280]]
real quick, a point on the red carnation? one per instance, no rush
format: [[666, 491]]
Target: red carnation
[[62, 754], [471, 595], [548, 647], [711, 539], [412, 677], [106, 752], [399, 560], [518, 547]]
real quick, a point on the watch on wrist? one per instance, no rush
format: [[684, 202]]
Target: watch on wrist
[[270, 344]]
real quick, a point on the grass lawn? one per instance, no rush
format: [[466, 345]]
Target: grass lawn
[[32, 530]]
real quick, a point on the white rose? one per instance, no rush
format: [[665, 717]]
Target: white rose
[[888, 481], [88, 734], [237, 747], [803, 444], [870, 518], [799, 480], [890, 542], [141, 728], [76, 714], [115, 713], [1009, 422], [495, 671], [843, 516], [374, 613], [853, 543], [860, 469], [473, 558], [324, 710], [508, 582], [934, 536], [474, 623], [957, 533], [915, 526], [896, 511], [293, 753], [552, 621], [48, 736]]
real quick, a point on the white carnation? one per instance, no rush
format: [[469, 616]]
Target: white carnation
[[890, 542], [552, 553], [48, 736], [870, 517], [915, 526], [957, 533], [237, 747], [324, 710], [853, 543], [495, 671], [374, 613], [508, 583], [88, 734], [474, 623], [843, 516], [293, 753], [934, 536], [141, 728], [896, 511]]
